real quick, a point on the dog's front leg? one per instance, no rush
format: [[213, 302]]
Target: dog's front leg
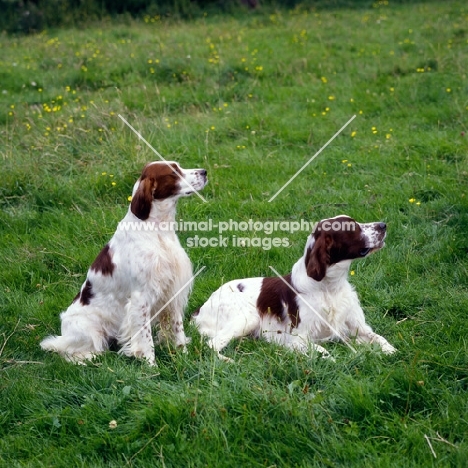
[[171, 322], [171, 329], [366, 335], [137, 338]]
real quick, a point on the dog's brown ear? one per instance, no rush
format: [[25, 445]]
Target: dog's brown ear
[[143, 198], [318, 258]]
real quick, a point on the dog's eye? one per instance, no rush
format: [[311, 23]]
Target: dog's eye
[[364, 252]]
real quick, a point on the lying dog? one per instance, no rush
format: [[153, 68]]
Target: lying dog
[[313, 304], [142, 274]]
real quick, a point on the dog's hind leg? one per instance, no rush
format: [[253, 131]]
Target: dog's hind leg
[[247, 325], [299, 343]]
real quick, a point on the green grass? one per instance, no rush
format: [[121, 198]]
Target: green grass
[[250, 98]]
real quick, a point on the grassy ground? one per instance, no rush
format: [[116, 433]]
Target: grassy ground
[[251, 99]]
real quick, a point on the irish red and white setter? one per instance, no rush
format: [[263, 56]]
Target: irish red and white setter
[[143, 275], [312, 304]]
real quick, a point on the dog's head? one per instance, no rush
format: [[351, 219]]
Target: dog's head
[[164, 180], [338, 239]]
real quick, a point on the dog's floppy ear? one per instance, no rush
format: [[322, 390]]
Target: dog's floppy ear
[[318, 258], [143, 198]]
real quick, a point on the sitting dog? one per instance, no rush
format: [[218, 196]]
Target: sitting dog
[[142, 274], [313, 304]]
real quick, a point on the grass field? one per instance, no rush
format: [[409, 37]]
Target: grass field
[[250, 98]]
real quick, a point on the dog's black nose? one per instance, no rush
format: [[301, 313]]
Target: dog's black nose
[[203, 172], [382, 226]]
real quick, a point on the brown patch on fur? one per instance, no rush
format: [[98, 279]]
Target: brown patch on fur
[[196, 312], [333, 246], [275, 296], [103, 262], [318, 258], [157, 182], [86, 293]]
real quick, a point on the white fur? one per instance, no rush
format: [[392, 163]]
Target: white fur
[[328, 309], [150, 269]]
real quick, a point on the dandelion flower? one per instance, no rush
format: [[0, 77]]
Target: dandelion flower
[[412, 200]]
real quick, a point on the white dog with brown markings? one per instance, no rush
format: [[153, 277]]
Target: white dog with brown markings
[[313, 304], [143, 275]]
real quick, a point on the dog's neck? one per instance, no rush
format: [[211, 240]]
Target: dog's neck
[[162, 211], [335, 276]]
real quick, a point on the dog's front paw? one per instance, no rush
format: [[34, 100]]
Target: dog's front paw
[[324, 354], [225, 358], [182, 342], [387, 348], [147, 356], [327, 355]]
